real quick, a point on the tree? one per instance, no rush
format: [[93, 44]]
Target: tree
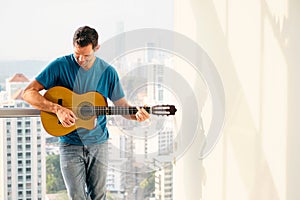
[[148, 184], [54, 179]]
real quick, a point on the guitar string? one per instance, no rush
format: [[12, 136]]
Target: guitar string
[[164, 110]]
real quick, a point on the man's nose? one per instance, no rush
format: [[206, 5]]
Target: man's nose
[[81, 58]]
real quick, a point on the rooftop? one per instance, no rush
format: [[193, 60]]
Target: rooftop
[[18, 78]]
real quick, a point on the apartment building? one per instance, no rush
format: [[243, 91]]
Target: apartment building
[[22, 153]]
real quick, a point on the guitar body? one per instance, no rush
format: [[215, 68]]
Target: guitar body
[[75, 102]]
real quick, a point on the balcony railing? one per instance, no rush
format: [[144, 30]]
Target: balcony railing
[[19, 112]]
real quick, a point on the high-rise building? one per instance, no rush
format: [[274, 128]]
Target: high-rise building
[[164, 183], [164, 175], [22, 168], [144, 82], [115, 176]]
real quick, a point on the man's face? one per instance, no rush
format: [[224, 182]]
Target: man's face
[[84, 55]]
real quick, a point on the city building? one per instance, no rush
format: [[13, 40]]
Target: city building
[[22, 168], [149, 146], [164, 183]]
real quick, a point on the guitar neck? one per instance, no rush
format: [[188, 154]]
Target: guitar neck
[[117, 110]]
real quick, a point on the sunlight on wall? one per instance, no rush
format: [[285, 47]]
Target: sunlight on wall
[[279, 10], [241, 37], [244, 46], [274, 103], [221, 12], [183, 19], [235, 186]]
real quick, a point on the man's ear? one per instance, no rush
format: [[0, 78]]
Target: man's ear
[[97, 48]]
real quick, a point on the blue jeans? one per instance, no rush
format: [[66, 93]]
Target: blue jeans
[[84, 169]]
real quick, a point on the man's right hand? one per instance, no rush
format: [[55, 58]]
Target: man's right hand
[[66, 116]]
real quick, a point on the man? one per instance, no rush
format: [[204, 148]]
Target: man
[[83, 153]]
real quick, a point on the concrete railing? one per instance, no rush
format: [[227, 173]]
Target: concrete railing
[[19, 112]]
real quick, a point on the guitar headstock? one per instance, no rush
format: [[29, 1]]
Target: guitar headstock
[[163, 110]]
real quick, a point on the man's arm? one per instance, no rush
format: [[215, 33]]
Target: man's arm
[[32, 96], [140, 116]]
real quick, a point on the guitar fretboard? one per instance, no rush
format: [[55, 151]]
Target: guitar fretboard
[[110, 110]]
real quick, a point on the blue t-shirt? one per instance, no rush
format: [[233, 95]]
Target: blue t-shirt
[[101, 77]]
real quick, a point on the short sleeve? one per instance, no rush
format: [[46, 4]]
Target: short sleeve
[[115, 90], [49, 76]]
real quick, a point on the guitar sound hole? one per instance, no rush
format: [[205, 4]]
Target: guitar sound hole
[[86, 110]]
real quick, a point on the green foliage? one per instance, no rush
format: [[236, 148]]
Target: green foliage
[[109, 196], [54, 179], [148, 184]]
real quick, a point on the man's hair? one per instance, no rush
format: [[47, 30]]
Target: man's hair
[[84, 36]]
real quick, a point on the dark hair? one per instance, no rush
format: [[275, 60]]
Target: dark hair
[[84, 36]]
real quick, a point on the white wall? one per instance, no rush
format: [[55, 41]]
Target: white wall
[[254, 46]]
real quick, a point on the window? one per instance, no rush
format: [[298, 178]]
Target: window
[[28, 155], [28, 177], [28, 147], [28, 185], [28, 139], [20, 139], [27, 124], [23, 129], [20, 155]]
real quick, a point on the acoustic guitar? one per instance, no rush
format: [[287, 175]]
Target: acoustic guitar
[[87, 107]]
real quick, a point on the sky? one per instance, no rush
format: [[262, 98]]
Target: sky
[[43, 29]]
